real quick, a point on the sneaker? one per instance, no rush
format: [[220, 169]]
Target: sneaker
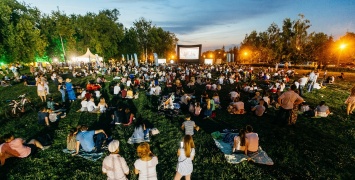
[[117, 123], [45, 147]]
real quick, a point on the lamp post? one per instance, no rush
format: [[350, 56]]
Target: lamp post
[[341, 47]]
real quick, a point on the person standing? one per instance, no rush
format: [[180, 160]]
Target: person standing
[[286, 101], [115, 166], [189, 125], [312, 80], [186, 154], [61, 88], [145, 166], [70, 90], [41, 90], [302, 83]]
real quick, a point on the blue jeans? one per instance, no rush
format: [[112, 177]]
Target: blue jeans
[[301, 90], [310, 87], [99, 139], [62, 91]]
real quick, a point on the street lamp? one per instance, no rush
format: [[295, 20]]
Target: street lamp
[[341, 47]]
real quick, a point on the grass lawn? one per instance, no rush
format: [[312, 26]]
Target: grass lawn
[[321, 148]]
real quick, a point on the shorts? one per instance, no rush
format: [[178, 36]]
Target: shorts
[[33, 148]]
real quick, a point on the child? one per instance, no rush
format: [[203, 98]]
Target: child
[[189, 125]]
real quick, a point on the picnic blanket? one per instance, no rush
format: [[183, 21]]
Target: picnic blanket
[[86, 155], [261, 157], [137, 140]]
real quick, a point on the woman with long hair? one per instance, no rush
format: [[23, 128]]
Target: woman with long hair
[[239, 142], [186, 154], [102, 105], [350, 101], [145, 166]]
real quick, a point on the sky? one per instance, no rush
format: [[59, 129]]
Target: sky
[[216, 23]]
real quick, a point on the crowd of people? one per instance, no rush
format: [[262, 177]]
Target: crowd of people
[[253, 92]]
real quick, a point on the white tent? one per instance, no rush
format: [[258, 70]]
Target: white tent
[[88, 57]]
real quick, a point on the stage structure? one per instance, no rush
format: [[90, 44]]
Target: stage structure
[[88, 57], [189, 53]]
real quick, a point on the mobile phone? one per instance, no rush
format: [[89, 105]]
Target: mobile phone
[[181, 144]]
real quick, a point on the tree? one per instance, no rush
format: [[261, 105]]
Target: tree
[[20, 38], [142, 28]]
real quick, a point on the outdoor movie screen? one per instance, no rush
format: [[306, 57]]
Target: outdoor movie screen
[[189, 52]]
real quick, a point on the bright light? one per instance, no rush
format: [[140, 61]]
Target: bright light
[[211, 55], [209, 61], [245, 53], [55, 59], [172, 61], [342, 46], [172, 56]]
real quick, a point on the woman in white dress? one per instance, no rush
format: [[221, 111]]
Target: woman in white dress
[[186, 154], [145, 166]]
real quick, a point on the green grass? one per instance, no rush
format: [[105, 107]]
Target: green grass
[[314, 149]]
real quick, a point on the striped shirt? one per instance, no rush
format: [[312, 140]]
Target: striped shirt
[[189, 127]]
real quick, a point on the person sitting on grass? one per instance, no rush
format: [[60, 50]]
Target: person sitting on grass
[[55, 116], [322, 110], [91, 106], [141, 133], [189, 125], [17, 147], [71, 138], [129, 117], [236, 107], [43, 116], [115, 166], [102, 105], [239, 142], [89, 141], [260, 108], [350, 102], [251, 141]]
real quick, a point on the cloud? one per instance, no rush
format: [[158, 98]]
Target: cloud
[[197, 15]]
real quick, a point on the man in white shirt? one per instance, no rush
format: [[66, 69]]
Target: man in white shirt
[[116, 89], [152, 90], [312, 80], [303, 81], [157, 90], [129, 82], [91, 105]]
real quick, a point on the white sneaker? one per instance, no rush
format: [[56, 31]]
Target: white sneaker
[[45, 147]]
